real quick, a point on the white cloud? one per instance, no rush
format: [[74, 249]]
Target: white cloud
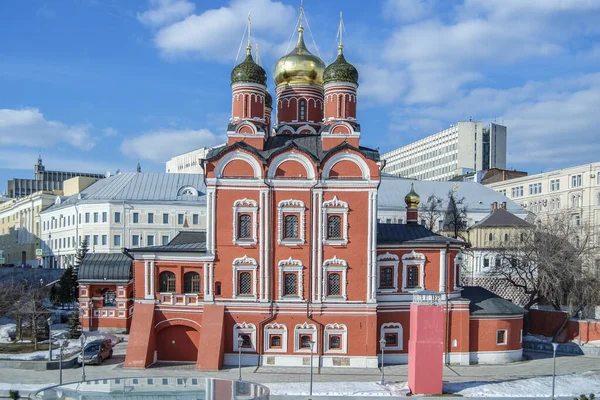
[[216, 33], [159, 146], [166, 11], [28, 127], [381, 85], [109, 131], [407, 10]]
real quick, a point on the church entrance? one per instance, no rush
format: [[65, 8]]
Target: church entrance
[[178, 343]]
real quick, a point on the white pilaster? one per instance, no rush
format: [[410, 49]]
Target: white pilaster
[[443, 269], [261, 246]]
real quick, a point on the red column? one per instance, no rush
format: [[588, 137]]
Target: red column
[[426, 346]]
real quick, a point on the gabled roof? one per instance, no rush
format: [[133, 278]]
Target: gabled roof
[[309, 144], [411, 234], [185, 241], [139, 186], [105, 267], [501, 218], [484, 302]]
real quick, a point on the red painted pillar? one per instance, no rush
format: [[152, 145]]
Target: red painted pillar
[[426, 344]]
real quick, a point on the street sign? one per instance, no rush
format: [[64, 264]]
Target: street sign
[[39, 252]]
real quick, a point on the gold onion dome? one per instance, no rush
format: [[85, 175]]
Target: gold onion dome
[[299, 66], [248, 71], [340, 70], [412, 199]]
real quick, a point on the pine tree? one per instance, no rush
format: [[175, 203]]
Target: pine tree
[[79, 256], [74, 325], [66, 285]]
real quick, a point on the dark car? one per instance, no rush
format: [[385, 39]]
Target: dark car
[[96, 352]]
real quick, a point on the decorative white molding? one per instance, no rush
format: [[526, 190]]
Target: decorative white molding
[[187, 191], [392, 327], [244, 329], [305, 329], [347, 156], [410, 259], [335, 206], [295, 266], [275, 329], [334, 265], [387, 256], [249, 265], [387, 260], [336, 329], [291, 156], [458, 263], [243, 206], [291, 206], [238, 155]]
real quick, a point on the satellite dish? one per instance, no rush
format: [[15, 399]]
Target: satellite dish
[[107, 174]]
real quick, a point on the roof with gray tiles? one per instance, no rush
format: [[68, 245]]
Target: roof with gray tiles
[[142, 187], [410, 234], [185, 241], [484, 303], [105, 267], [478, 198], [501, 218]]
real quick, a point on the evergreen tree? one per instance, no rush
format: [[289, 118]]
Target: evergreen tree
[[66, 285], [74, 325], [79, 256]]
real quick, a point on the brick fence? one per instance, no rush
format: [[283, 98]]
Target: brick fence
[[546, 323]]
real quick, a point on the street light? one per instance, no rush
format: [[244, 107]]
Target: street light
[[312, 347], [82, 339], [554, 346], [382, 344], [579, 313], [62, 345], [49, 321], [240, 342]]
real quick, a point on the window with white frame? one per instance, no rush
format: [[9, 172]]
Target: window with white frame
[[413, 266], [291, 222], [247, 332], [245, 222], [501, 336], [391, 332], [576, 180], [244, 278], [290, 279], [275, 338], [458, 261], [336, 339], [335, 222], [554, 185], [387, 265], [303, 335], [334, 279]]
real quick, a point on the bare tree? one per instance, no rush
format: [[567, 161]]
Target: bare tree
[[455, 217], [431, 211], [552, 263]]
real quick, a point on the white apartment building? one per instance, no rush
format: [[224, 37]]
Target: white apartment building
[[188, 163], [477, 199], [126, 210], [576, 189], [465, 147]]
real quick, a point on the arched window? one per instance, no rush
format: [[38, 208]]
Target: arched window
[[217, 288], [291, 227], [333, 284], [506, 237], [166, 282], [191, 282], [335, 342], [275, 341], [245, 285], [334, 227], [305, 341], [302, 111], [110, 298], [244, 226], [490, 237], [246, 341]]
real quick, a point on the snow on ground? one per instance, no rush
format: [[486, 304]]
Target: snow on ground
[[363, 389], [94, 335], [73, 346], [7, 332], [23, 387], [537, 338], [566, 385]]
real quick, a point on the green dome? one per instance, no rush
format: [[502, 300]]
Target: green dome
[[268, 99], [340, 70], [248, 71]]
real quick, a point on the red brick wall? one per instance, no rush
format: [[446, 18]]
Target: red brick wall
[[546, 323]]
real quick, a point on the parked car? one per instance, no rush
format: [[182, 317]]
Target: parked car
[[96, 352]]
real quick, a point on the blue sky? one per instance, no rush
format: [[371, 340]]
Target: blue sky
[[95, 85]]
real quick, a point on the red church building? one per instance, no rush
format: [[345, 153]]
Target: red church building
[[293, 256]]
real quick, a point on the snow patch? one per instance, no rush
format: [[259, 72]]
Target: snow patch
[[346, 389]]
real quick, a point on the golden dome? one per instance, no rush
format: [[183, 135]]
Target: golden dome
[[299, 66], [412, 199]]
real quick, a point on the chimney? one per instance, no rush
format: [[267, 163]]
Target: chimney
[[494, 206], [503, 205]]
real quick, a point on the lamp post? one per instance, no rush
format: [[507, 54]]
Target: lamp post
[[382, 347], [49, 321], [554, 346], [240, 342], [312, 347], [61, 344], [82, 339]]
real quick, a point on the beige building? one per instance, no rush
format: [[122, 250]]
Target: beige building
[[20, 231]]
